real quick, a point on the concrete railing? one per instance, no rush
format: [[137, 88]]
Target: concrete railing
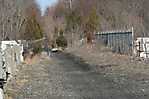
[[10, 57]]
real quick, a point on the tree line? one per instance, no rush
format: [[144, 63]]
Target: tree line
[[71, 20], [75, 19], [80, 19], [19, 20]]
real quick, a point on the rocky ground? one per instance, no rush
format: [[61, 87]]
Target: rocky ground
[[84, 73]]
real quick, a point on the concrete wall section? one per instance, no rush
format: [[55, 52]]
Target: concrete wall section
[[11, 56]]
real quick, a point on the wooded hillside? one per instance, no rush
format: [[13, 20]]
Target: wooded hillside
[[80, 18], [14, 18], [77, 19]]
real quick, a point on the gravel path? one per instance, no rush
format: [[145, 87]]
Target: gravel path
[[68, 77]]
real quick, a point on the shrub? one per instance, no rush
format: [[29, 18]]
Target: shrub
[[37, 48], [61, 40]]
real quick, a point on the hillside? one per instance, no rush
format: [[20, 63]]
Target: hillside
[[13, 17], [113, 15], [119, 14]]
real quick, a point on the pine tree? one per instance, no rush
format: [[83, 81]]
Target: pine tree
[[91, 25], [33, 29]]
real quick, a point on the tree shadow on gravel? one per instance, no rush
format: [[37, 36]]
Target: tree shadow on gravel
[[80, 63]]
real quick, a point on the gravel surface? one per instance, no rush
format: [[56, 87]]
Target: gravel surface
[[65, 76]]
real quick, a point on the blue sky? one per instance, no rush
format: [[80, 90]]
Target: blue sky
[[45, 3]]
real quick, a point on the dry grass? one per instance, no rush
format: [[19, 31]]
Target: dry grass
[[108, 62], [23, 76], [32, 60]]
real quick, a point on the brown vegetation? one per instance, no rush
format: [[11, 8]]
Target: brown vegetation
[[84, 17]]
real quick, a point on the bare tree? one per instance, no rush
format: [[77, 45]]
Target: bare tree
[[13, 17]]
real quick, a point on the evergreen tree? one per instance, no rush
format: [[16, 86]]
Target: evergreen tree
[[91, 25], [61, 40], [33, 29]]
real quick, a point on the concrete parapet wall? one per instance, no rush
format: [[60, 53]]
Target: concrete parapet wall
[[11, 56]]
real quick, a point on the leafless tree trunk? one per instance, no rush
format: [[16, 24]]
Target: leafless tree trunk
[[12, 18]]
